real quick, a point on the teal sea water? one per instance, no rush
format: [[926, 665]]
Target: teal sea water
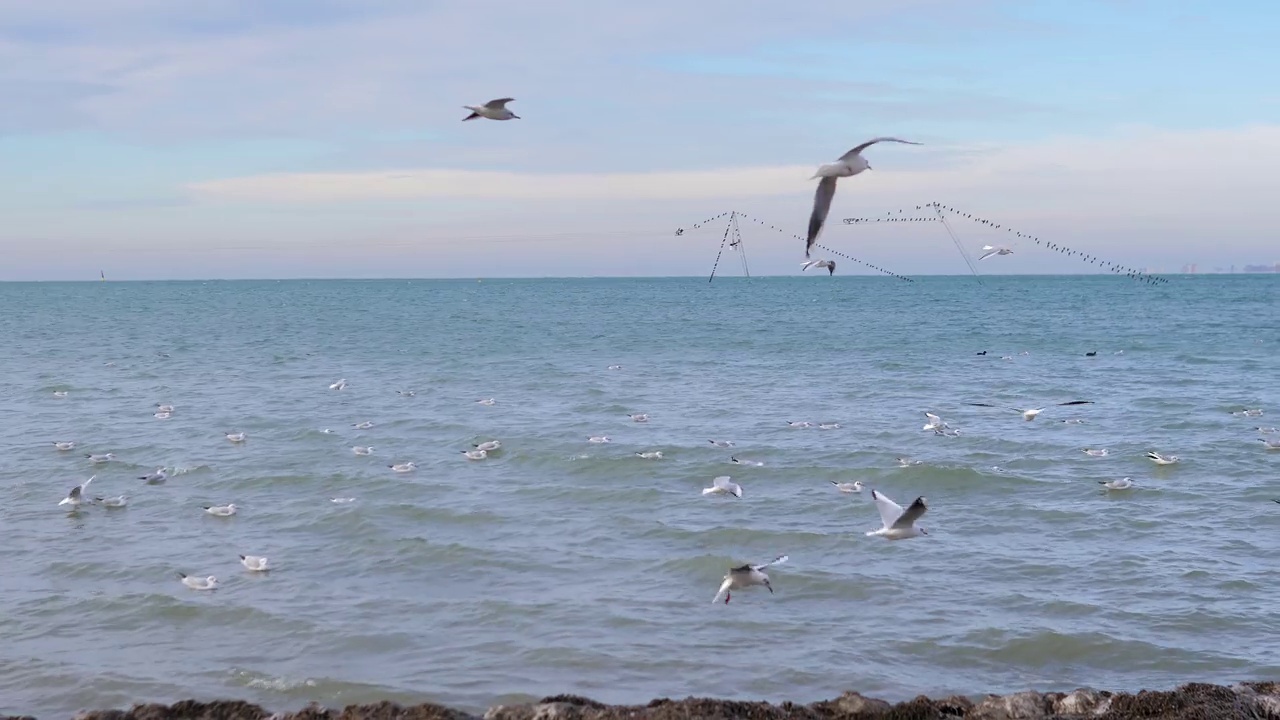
[[557, 565]]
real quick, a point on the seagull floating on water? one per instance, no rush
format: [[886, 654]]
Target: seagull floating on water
[[650, 455], [255, 563], [1267, 430], [362, 449], [853, 487], [118, 501], [406, 393], [640, 417], [1100, 452], [197, 583], [488, 445], [829, 426], [64, 445], [1248, 413], [898, 524], [800, 424], [155, 478], [744, 577], [492, 110], [238, 437], [722, 443], [1159, 459], [615, 367], [403, 467], [989, 250], [599, 439], [164, 408], [362, 425], [1032, 413], [99, 459], [830, 265], [908, 462], [1271, 444], [849, 164], [1121, 484], [339, 385], [221, 510], [341, 500], [486, 402], [74, 497], [723, 486], [163, 415], [59, 393], [476, 454]]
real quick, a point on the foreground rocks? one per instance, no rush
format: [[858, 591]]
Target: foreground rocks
[[1195, 701]]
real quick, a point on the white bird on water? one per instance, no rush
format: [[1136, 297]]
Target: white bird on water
[[238, 437], [362, 425], [76, 495], [486, 402], [255, 563], [739, 461], [722, 443], [492, 110], [830, 265], [1267, 430], [198, 583], [476, 454], [403, 467], [155, 478], [160, 408], [799, 424], [1096, 452], [598, 439], [488, 445], [118, 501], [829, 426], [849, 164], [723, 486], [341, 384], [1270, 443], [163, 415], [221, 510], [59, 393], [744, 577], [639, 417], [1121, 484], [935, 423], [615, 367], [907, 462], [1257, 412], [650, 455], [362, 449], [853, 487], [1159, 459], [898, 524], [99, 459], [989, 250], [64, 445]]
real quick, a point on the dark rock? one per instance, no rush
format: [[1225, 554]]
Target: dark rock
[[1080, 702]]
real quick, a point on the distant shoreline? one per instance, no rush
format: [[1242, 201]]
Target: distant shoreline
[[1246, 701]]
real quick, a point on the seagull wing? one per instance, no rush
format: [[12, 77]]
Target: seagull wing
[[913, 513], [821, 206], [988, 254], [809, 264], [849, 155], [1078, 402], [724, 588], [776, 561], [890, 511], [496, 104], [85, 485], [933, 418], [722, 482]]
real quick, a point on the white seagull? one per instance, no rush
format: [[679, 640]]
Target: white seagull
[[238, 437], [486, 402], [164, 408], [723, 486], [163, 415], [492, 110], [829, 426], [1121, 484], [599, 439], [403, 467], [935, 423], [830, 265], [221, 510], [196, 583], [255, 563], [853, 487], [898, 524], [1159, 459], [1270, 443], [155, 478], [488, 445], [476, 454], [640, 417], [1098, 452], [59, 393], [615, 367], [362, 425], [1030, 414], [849, 164], [1267, 430], [799, 424], [1257, 412], [650, 455], [341, 384], [99, 459], [722, 443], [118, 501], [745, 577], [989, 250], [406, 393], [908, 462], [362, 449], [76, 495], [64, 445]]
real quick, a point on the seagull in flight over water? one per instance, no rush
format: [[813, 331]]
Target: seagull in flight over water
[[849, 164], [492, 110], [830, 265], [744, 577], [898, 524], [989, 250], [1031, 413]]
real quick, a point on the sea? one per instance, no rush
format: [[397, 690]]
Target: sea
[[557, 565]]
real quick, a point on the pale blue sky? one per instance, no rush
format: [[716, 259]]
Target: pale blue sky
[[322, 138]]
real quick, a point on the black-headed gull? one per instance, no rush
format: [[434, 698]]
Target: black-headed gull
[[989, 250], [1030, 414], [853, 487], [908, 462], [221, 510], [199, 583], [723, 485], [486, 402], [76, 495], [1159, 459], [162, 408], [745, 577], [849, 164], [492, 110], [898, 524], [256, 563], [830, 265]]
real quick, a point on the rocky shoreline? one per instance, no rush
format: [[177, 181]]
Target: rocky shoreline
[[1194, 701]]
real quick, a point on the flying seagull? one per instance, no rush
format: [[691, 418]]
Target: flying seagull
[[492, 110], [1031, 413], [849, 164], [989, 250], [898, 524], [745, 577], [74, 497], [830, 265]]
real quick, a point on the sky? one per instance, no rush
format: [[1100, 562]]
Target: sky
[[151, 139]]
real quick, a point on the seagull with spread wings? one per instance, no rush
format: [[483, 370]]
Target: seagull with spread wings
[[492, 110], [1030, 414], [849, 164]]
